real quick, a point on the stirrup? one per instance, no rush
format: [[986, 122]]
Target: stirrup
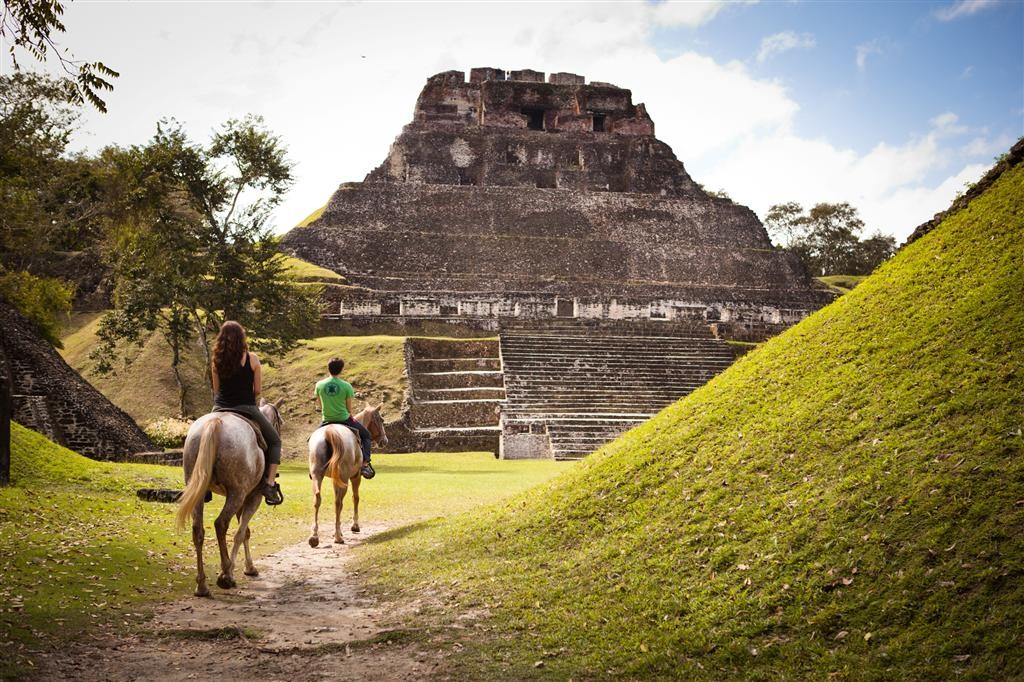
[[272, 494], [367, 471]]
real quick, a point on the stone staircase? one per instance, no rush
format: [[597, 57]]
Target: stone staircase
[[574, 385], [33, 412], [455, 387]]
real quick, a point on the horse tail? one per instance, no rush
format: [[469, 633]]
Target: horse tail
[[337, 452], [198, 484]]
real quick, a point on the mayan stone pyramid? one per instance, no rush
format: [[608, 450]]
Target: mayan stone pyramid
[[509, 198]]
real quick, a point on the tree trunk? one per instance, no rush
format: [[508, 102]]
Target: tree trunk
[[205, 339], [175, 366], [6, 378]]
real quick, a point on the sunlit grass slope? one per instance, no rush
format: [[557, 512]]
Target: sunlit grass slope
[[845, 501], [841, 284], [144, 385], [304, 271], [79, 550]]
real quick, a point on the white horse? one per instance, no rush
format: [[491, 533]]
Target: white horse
[[334, 451], [222, 455]]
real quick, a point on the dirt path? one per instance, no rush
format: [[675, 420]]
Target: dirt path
[[305, 617]]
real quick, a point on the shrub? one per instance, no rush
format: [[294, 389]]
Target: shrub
[[169, 432]]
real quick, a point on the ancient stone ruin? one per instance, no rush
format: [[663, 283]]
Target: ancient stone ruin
[[50, 397], [550, 209]]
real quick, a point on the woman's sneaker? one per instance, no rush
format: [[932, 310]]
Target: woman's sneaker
[[367, 471], [272, 494]]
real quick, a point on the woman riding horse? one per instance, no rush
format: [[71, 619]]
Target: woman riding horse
[[237, 382]]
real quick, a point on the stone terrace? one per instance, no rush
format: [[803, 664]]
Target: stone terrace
[[573, 387], [456, 387]]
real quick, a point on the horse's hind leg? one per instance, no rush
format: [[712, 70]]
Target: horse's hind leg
[[252, 503], [314, 538], [198, 534], [355, 503], [339, 499], [231, 507]]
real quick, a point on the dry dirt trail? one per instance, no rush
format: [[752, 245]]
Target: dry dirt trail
[[305, 617]]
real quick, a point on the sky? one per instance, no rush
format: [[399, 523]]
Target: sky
[[892, 106]]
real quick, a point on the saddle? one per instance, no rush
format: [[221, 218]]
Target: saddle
[[330, 450], [260, 440]]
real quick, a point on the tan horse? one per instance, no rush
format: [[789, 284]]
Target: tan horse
[[343, 465], [222, 455]]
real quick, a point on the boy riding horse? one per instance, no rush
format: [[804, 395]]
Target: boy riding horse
[[335, 396]]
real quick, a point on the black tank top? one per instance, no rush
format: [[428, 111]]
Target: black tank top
[[237, 390]]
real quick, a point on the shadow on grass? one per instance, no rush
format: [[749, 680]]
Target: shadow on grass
[[398, 533], [413, 469]]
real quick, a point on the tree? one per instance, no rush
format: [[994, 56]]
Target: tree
[[45, 302], [874, 251], [193, 245], [31, 25], [826, 238]]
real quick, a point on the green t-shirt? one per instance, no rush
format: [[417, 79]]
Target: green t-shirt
[[334, 394]]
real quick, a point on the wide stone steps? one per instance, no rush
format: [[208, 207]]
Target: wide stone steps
[[587, 387], [576, 439]]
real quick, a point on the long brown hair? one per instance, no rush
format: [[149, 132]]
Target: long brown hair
[[228, 350]]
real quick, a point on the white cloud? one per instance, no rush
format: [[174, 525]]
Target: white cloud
[[947, 124], [963, 8], [687, 12], [889, 185], [783, 42], [982, 146], [864, 50], [337, 87]]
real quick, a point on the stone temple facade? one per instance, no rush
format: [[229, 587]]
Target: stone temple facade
[[512, 200]]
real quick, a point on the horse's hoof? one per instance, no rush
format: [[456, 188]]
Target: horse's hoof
[[202, 591], [339, 540], [314, 541], [225, 582], [253, 573], [355, 528]]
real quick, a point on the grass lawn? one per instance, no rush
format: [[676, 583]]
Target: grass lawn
[[79, 550]]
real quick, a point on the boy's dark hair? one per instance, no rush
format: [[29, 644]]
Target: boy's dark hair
[[335, 365]]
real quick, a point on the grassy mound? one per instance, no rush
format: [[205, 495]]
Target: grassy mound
[[841, 284], [144, 386], [82, 552], [304, 271], [846, 500], [305, 222]]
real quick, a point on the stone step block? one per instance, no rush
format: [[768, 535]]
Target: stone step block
[[492, 393], [455, 364], [453, 413], [422, 348], [475, 379]]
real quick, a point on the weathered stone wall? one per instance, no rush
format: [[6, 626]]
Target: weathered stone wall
[[50, 396]]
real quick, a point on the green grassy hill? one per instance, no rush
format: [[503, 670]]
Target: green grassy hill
[[144, 386], [846, 501]]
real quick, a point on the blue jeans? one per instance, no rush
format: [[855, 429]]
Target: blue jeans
[[365, 439]]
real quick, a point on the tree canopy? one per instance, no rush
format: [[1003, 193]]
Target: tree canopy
[[827, 238], [192, 246], [31, 26]]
